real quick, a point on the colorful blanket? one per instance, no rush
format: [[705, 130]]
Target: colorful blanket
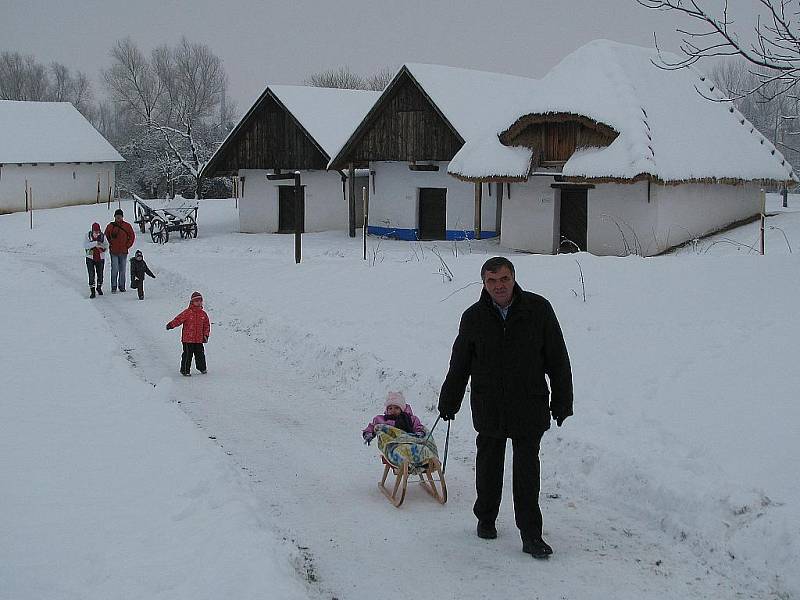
[[399, 447]]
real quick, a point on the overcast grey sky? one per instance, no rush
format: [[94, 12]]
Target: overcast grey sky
[[264, 42]]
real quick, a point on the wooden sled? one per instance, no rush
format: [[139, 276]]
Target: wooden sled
[[426, 481]]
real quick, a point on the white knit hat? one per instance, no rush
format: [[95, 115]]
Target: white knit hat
[[395, 399]]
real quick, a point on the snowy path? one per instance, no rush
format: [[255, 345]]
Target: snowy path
[[271, 415]]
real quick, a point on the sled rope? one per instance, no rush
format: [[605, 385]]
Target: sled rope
[[446, 440]]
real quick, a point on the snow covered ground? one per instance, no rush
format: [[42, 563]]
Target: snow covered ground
[[676, 478]]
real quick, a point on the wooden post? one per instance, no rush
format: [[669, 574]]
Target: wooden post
[[498, 213], [366, 212], [763, 218], [30, 200], [26, 195], [108, 184], [351, 175], [785, 194], [478, 195], [298, 217]]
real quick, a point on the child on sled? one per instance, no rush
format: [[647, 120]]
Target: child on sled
[[396, 414], [406, 448]]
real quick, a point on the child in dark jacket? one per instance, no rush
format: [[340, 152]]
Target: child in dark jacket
[[396, 414], [196, 329], [138, 270]]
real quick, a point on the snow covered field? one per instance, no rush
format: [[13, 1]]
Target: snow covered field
[[676, 478]]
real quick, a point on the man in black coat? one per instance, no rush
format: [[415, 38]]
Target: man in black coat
[[507, 342]]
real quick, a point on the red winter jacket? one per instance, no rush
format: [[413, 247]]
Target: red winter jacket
[[120, 236], [196, 326]]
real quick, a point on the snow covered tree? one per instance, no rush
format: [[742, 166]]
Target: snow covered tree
[[172, 102]]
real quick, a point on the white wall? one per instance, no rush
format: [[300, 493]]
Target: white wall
[[395, 199], [61, 184], [530, 216], [690, 210], [325, 208], [620, 220]]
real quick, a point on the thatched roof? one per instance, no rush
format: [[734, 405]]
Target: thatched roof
[[669, 130]]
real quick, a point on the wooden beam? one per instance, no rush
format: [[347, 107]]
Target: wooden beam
[[478, 198], [351, 176], [498, 219]]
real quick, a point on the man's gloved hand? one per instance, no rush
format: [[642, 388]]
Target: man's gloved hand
[[168, 327], [368, 438], [447, 415], [559, 418]]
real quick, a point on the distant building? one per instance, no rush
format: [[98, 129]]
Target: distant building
[[421, 121], [607, 153], [51, 155], [291, 128]]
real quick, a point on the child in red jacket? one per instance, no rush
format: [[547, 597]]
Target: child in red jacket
[[196, 329]]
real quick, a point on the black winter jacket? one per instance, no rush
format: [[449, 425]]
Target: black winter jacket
[[507, 361], [138, 269]]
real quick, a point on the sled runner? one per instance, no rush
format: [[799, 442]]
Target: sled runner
[[406, 454]]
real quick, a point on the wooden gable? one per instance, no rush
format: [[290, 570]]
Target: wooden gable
[[269, 137], [404, 125], [556, 137]]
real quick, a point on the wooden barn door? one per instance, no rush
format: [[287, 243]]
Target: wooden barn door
[[573, 220], [432, 213], [286, 209]]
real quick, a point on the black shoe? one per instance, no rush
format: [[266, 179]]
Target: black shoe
[[185, 374], [486, 530], [113, 290], [91, 294], [121, 289], [204, 371], [536, 547], [100, 291]]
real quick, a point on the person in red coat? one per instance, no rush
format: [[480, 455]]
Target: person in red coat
[[196, 329], [120, 236]]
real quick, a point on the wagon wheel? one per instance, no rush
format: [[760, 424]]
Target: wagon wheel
[[190, 230], [159, 231]]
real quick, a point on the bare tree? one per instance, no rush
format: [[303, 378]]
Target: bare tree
[[22, 77], [774, 49], [173, 101], [763, 81], [133, 83], [344, 78]]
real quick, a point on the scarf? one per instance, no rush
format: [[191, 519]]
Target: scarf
[[97, 255], [403, 421]]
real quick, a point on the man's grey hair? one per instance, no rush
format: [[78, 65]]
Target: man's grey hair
[[495, 264]]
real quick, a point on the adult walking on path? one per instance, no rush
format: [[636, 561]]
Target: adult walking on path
[[95, 246], [507, 342], [121, 237]]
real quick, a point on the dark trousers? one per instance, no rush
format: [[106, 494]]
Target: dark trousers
[[489, 481], [138, 285], [95, 267], [199, 353]]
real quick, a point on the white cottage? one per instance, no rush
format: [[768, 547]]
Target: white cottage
[[614, 155], [421, 121], [291, 128], [50, 156]]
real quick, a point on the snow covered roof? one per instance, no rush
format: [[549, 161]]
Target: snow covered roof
[[667, 129], [475, 103], [328, 115], [50, 132]]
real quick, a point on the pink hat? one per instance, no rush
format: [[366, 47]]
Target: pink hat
[[95, 226], [395, 399]]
